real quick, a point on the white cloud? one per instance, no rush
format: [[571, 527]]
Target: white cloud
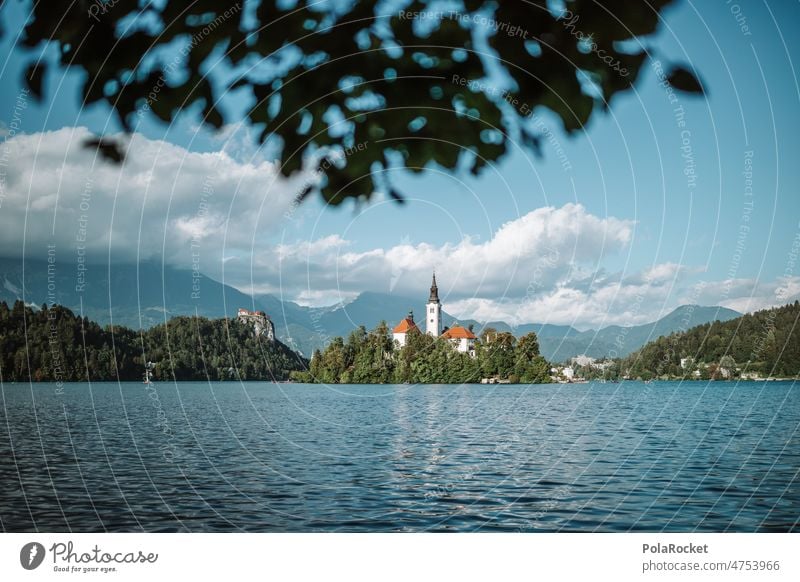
[[639, 299], [747, 295], [546, 266], [540, 249], [608, 303], [164, 202]]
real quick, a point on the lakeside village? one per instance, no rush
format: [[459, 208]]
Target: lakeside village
[[455, 354]]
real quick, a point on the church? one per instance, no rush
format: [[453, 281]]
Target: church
[[462, 338]]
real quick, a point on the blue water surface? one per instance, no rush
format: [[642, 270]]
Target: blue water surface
[[195, 456]]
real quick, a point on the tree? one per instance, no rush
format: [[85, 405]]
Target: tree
[[315, 367], [333, 361], [355, 344], [498, 356], [528, 346], [354, 88], [767, 341], [529, 366], [487, 335], [57, 345], [536, 372]]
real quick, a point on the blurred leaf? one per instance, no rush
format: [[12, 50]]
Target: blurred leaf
[[327, 76], [110, 149], [396, 196], [34, 78], [684, 80]]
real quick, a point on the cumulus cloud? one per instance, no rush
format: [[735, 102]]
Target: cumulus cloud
[[540, 249], [642, 298], [602, 304], [164, 203], [747, 295], [546, 266]]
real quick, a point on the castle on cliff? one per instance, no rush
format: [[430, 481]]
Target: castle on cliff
[[260, 321]]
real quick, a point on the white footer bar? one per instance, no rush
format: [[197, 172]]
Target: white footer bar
[[389, 557]]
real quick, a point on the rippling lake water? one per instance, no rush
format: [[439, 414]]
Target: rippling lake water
[[196, 456]]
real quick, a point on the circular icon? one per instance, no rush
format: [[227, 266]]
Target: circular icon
[[31, 555]]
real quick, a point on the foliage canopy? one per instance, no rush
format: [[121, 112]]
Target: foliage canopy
[[374, 358], [355, 88], [765, 342], [53, 344]]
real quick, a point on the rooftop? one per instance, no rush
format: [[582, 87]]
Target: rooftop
[[406, 325], [243, 311], [458, 332]]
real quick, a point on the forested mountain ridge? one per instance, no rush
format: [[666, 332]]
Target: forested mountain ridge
[[149, 293], [765, 343], [53, 344]]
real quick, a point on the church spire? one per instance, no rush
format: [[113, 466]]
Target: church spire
[[433, 311], [434, 298]]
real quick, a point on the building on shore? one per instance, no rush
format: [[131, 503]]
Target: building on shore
[[260, 321], [582, 360], [402, 329], [462, 338]]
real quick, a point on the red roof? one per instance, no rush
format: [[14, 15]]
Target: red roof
[[243, 311], [405, 326], [458, 332]]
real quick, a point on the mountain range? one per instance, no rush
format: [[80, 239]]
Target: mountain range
[[145, 294]]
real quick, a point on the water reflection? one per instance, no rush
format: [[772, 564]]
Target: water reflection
[[264, 457]]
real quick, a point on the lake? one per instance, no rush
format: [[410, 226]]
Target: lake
[[194, 456]]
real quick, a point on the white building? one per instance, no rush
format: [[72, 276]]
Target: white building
[[402, 329], [462, 338], [433, 311], [583, 360]]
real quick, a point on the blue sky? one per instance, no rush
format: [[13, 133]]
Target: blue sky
[[662, 241]]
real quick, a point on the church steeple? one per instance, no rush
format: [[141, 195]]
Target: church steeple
[[434, 298], [433, 311]]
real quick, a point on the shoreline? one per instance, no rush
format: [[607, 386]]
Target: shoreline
[[165, 382]]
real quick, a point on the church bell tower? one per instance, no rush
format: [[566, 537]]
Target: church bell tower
[[433, 311]]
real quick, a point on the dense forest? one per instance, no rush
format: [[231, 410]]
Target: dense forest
[[53, 344], [765, 343], [374, 358]]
